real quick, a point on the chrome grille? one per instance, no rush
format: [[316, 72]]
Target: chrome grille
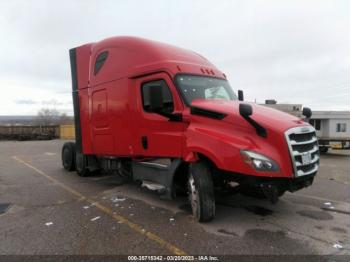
[[303, 148]]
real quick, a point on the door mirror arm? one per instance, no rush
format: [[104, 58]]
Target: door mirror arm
[[157, 106], [173, 117], [246, 110]]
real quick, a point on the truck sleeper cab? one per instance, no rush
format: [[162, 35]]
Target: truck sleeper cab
[[167, 117]]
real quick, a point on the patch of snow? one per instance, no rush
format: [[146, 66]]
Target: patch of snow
[[338, 246]]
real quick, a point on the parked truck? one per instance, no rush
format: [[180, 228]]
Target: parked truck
[[167, 117]]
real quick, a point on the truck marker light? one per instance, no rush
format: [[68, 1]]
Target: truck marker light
[[259, 162]]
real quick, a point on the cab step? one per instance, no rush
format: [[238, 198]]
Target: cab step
[[157, 174], [154, 186]]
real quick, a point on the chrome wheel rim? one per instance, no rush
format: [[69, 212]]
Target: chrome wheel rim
[[193, 194]]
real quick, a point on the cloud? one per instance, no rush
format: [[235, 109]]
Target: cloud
[[55, 102], [293, 51], [25, 102]]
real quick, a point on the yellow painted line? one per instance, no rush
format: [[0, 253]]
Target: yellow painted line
[[135, 227]]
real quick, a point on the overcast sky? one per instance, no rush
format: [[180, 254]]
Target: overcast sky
[[292, 51]]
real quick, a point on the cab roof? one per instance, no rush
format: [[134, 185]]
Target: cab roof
[[129, 56]]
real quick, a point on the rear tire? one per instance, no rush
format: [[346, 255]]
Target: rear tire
[[201, 192], [82, 165], [68, 156]]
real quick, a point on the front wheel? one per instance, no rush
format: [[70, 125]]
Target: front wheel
[[201, 192]]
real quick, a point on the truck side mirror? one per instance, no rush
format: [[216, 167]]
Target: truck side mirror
[[245, 110], [240, 95], [307, 112], [156, 98]]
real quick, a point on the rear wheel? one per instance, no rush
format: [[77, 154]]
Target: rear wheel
[[201, 192], [68, 156], [82, 165]]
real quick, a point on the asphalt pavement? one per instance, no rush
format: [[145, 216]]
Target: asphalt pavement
[[45, 210]]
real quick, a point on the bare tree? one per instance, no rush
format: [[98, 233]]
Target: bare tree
[[48, 116], [65, 119]]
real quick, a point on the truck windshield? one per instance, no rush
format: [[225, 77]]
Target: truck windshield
[[203, 87]]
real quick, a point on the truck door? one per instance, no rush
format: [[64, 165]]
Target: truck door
[[156, 135]]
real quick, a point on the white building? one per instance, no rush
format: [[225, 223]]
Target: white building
[[293, 109], [332, 127], [331, 124]]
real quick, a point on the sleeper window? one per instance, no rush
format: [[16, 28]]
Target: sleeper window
[[100, 60]]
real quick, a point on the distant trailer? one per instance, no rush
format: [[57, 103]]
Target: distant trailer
[[29, 132], [332, 129], [326, 143]]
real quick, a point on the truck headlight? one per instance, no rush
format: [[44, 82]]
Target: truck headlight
[[259, 162]]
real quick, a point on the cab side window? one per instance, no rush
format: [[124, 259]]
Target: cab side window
[[168, 102], [100, 60]]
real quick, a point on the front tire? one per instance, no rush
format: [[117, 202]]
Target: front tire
[[68, 156], [201, 192]]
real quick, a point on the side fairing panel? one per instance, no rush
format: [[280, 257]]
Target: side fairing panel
[[79, 61], [83, 62], [84, 121]]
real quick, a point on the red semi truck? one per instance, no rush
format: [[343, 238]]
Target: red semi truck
[[167, 117]]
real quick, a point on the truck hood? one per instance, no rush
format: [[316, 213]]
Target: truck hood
[[267, 117]]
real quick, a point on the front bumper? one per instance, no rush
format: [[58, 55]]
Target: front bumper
[[270, 187], [273, 189]]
